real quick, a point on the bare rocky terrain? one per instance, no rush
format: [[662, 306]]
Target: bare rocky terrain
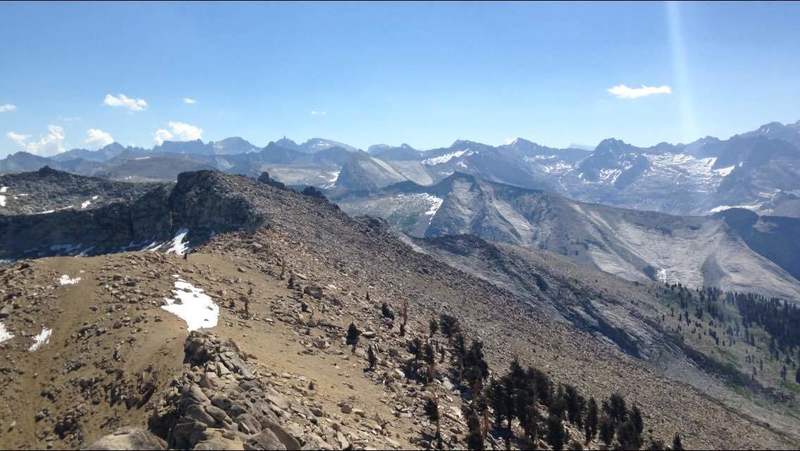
[[273, 369], [48, 190]]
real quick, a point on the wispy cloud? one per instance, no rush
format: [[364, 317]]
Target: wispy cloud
[[625, 92], [7, 108], [178, 131], [98, 138], [121, 100], [48, 144], [319, 113], [189, 101]]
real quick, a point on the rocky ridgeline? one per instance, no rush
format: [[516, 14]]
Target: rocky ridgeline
[[50, 190], [204, 202], [222, 402]]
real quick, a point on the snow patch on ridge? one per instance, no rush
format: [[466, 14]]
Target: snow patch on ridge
[[5, 335], [725, 171], [3, 190], [446, 157], [752, 207], [193, 306], [179, 245], [67, 280], [41, 339]]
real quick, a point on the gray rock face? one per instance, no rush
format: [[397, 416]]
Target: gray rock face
[[640, 246], [203, 202]]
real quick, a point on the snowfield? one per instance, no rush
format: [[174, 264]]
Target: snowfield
[[752, 207], [41, 339], [446, 157], [192, 305]]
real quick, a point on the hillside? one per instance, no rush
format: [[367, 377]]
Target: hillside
[[285, 339], [635, 245]]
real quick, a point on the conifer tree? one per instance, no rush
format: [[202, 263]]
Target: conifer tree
[[449, 325], [590, 425], [556, 435], [474, 434], [432, 411], [403, 318], [386, 311], [352, 336], [676, 443], [433, 325], [628, 436], [606, 430], [636, 417]]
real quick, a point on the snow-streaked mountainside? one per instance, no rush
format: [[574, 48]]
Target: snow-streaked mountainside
[[736, 250], [757, 170]]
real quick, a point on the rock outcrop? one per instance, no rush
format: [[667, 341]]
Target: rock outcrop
[[203, 202]]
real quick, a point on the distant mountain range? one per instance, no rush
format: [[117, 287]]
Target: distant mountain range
[[758, 170]]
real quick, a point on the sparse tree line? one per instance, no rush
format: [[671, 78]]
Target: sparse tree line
[[778, 318], [521, 406]]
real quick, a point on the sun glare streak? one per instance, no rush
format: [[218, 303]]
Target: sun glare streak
[[680, 71]]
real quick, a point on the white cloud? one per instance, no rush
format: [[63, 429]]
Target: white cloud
[[98, 138], [162, 135], [178, 131], [7, 108], [319, 113], [625, 92], [49, 144], [125, 102], [18, 138], [189, 101]]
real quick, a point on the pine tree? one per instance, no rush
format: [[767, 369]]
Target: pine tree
[[676, 443], [403, 318], [432, 411], [606, 430], [449, 325], [656, 445], [434, 327], [636, 418], [590, 425], [575, 404], [475, 367], [500, 401], [556, 435], [430, 360], [531, 423], [628, 436], [386, 311], [797, 375], [615, 409], [352, 336], [559, 405], [474, 435]]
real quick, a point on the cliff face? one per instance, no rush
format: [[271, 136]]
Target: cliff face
[[202, 202]]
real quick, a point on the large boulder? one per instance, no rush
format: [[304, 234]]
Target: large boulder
[[129, 438]]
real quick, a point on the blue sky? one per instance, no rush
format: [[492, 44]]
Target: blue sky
[[423, 73]]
